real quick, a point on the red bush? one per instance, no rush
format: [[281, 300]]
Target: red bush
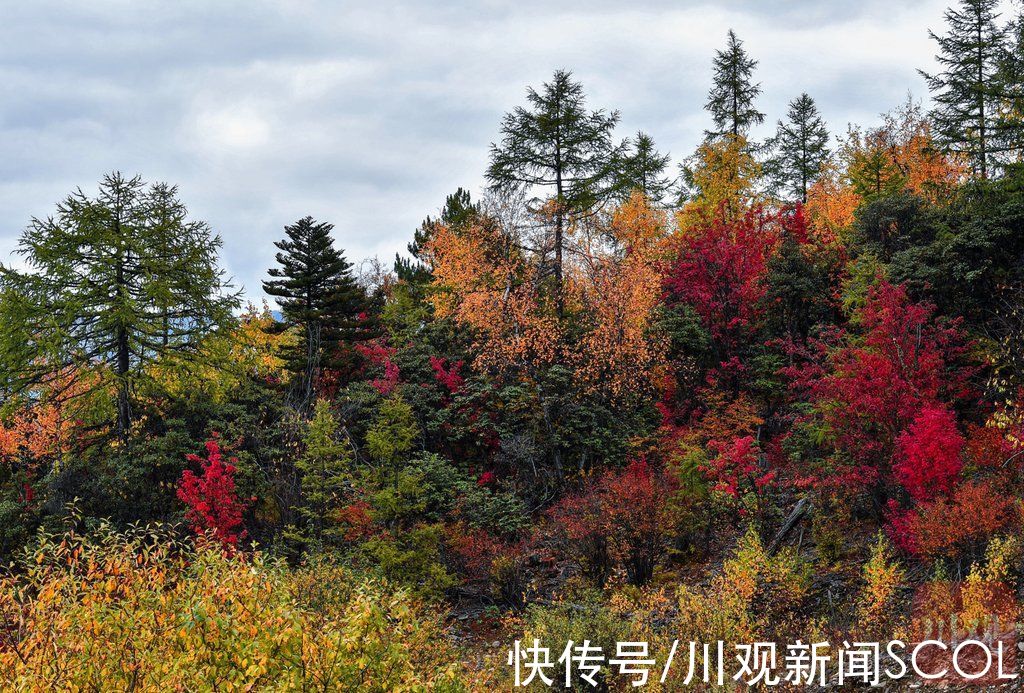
[[213, 504], [928, 453]]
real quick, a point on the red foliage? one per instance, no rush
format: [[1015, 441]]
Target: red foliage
[[867, 391], [734, 469], [448, 376], [380, 355], [928, 454], [620, 518], [720, 271], [213, 504], [357, 519]]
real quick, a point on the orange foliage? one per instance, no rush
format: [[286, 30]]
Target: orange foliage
[[619, 355], [944, 527], [482, 280], [831, 202]]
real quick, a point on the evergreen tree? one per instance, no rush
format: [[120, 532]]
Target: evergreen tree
[[800, 148], [318, 294], [731, 98], [642, 167], [458, 210], [325, 472], [119, 282], [1010, 88], [965, 91], [557, 144]]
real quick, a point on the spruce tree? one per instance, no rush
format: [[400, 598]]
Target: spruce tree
[[318, 295], [799, 149], [966, 89], [559, 145], [642, 167], [119, 282], [731, 98]]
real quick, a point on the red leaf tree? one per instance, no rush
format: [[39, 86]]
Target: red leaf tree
[[213, 508]]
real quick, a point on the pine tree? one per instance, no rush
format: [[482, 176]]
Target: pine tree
[[731, 98], [325, 472], [642, 167], [965, 91], [317, 294], [800, 148], [557, 144], [119, 282]]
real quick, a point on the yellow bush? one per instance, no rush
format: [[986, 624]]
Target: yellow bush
[[141, 611]]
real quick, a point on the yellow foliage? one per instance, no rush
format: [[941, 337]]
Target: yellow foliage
[[139, 611], [723, 178], [878, 602], [755, 598]]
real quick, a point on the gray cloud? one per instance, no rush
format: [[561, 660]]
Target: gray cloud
[[368, 115]]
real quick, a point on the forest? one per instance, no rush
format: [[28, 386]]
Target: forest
[[772, 394]]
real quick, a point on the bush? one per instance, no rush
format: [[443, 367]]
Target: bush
[[141, 610]]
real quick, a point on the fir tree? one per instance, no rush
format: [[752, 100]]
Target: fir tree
[[557, 144], [642, 167], [318, 294], [965, 91], [800, 147], [731, 98], [119, 282]]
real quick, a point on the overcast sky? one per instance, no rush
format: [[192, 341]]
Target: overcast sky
[[367, 114]]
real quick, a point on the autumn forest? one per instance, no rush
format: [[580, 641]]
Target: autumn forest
[[771, 394]]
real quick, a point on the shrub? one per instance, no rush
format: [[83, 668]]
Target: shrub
[[140, 610]]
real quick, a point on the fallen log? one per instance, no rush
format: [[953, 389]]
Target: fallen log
[[802, 508]]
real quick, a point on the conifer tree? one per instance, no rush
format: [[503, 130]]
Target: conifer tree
[[458, 210], [119, 281], [731, 98], [317, 294], [325, 472], [966, 89], [559, 145], [800, 148], [1010, 88], [642, 167]]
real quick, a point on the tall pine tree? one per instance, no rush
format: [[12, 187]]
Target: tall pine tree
[[731, 98], [966, 89], [799, 149], [559, 145], [119, 282], [318, 295]]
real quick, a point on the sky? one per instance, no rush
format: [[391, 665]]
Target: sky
[[368, 114]]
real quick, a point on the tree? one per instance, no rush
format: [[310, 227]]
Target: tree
[[642, 167], [458, 211], [325, 470], [557, 144], [119, 281], [719, 181], [731, 98], [966, 90], [800, 148], [317, 294]]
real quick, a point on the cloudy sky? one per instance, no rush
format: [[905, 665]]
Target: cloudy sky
[[367, 114]]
